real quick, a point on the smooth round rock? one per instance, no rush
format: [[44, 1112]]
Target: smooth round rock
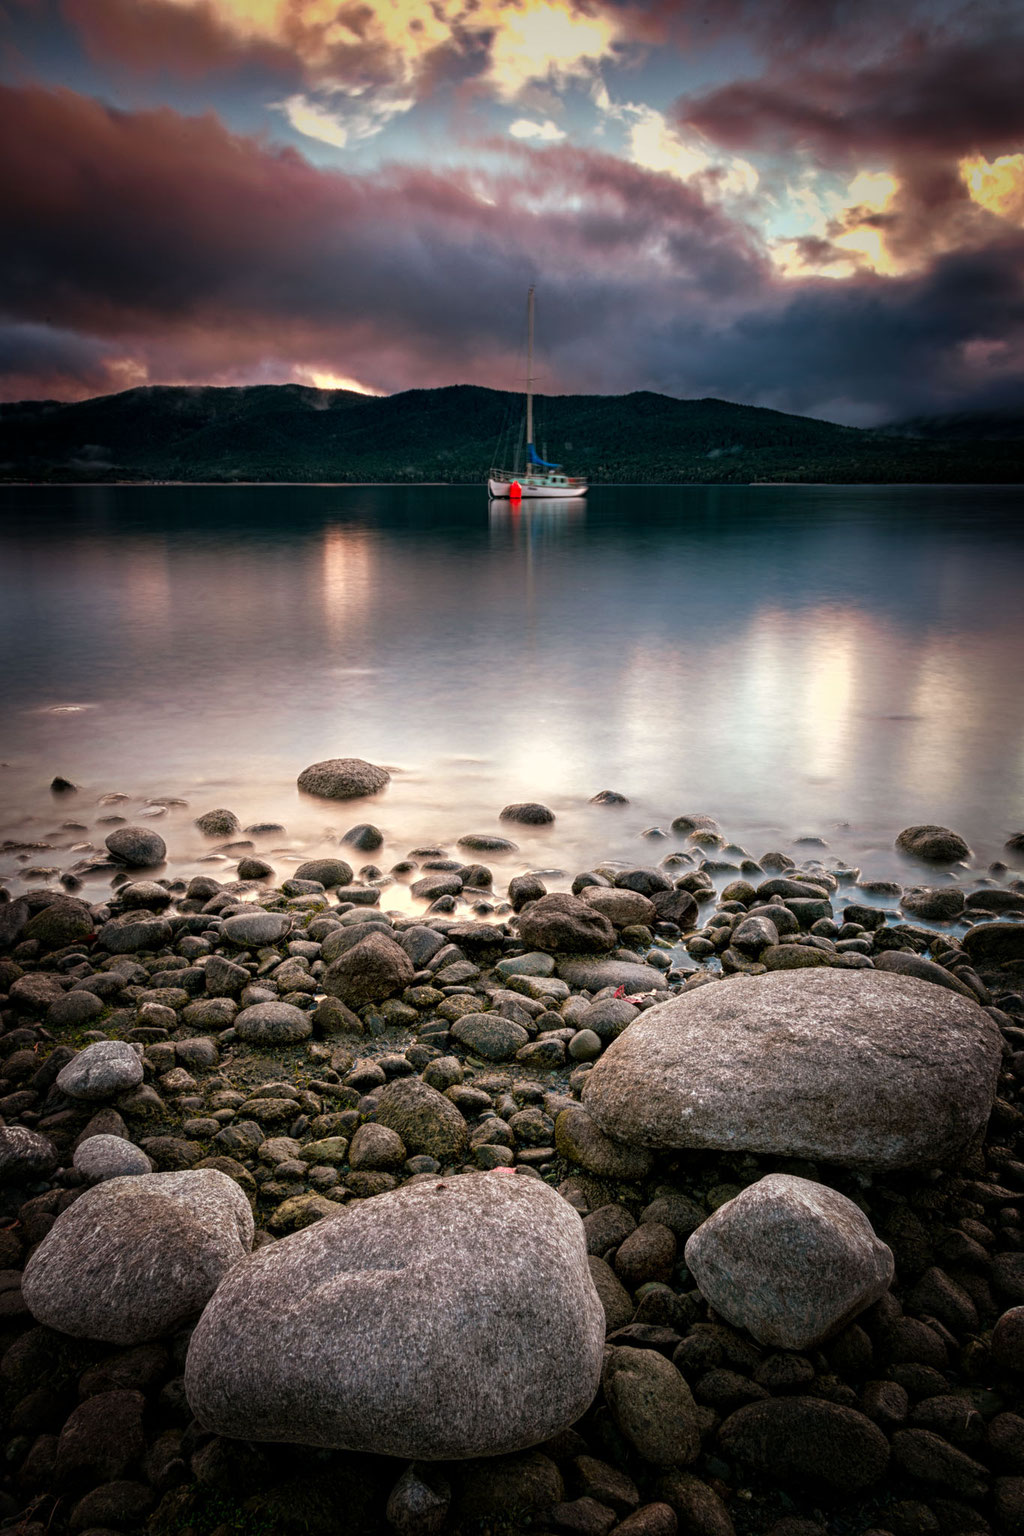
[[136, 847], [25, 1155], [528, 813], [343, 778], [939, 845], [801, 1440], [251, 930], [329, 872], [138, 1257], [64, 921], [490, 1036], [789, 1260], [273, 1024], [314, 1340], [862, 1068], [218, 823], [101, 1071], [110, 1157]]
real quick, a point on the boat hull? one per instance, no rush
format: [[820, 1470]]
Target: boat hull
[[502, 489]]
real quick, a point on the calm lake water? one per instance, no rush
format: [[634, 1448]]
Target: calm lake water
[[796, 661]]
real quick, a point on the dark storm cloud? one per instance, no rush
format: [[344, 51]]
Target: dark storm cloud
[[150, 241], [953, 96]]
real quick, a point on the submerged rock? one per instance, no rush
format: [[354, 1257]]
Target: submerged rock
[[343, 778], [137, 847], [855, 1067], [314, 1339], [939, 845]]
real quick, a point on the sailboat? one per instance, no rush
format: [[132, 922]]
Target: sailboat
[[537, 478]]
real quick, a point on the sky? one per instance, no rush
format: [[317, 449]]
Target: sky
[[812, 205]]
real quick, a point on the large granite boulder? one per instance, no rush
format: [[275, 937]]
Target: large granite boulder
[[564, 923], [442, 1320], [789, 1260], [343, 778], [862, 1068], [101, 1071], [138, 1257]]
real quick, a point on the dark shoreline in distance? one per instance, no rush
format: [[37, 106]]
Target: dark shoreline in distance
[[291, 434]]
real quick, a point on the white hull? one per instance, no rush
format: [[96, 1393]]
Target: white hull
[[503, 489]]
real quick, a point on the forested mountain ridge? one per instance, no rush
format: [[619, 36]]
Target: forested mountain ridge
[[290, 432]]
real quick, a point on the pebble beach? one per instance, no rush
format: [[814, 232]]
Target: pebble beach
[[680, 1196]]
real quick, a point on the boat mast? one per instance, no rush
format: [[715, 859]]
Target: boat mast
[[529, 369]]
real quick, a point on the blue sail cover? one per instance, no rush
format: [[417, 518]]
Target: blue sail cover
[[535, 459]]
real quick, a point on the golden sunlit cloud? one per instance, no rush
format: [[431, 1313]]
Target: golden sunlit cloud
[[315, 122], [997, 185], [654, 145], [544, 133], [322, 378], [370, 57], [842, 224]]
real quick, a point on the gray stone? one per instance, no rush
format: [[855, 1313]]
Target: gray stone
[[484, 842], [273, 1024], [578, 1139], [135, 1258], [906, 964], [855, 1067], [490, 1036], [64, 921], [74, 1008], [110, 1157], [131, 932], [620, 906], [564, 923], [145, 893], [25, 1155], [218, 823], [101, 1071], [994, 943], [136, 847], [313, 1340], [528, 813], [372, 969], [376, 1146], [534, 964], [328, 872], [652, 1406], [636, 977], [427, 1121], [790, 1260], [14, 916], [936, 906], [801, 1440], [938, 845], [252, 930], [343, 778]]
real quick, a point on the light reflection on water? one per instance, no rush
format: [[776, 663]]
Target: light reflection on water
[[807, 660]]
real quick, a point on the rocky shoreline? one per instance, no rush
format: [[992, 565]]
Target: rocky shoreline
[[657, 1205]]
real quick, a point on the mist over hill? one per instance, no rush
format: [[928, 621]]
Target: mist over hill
[[290, 432]]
